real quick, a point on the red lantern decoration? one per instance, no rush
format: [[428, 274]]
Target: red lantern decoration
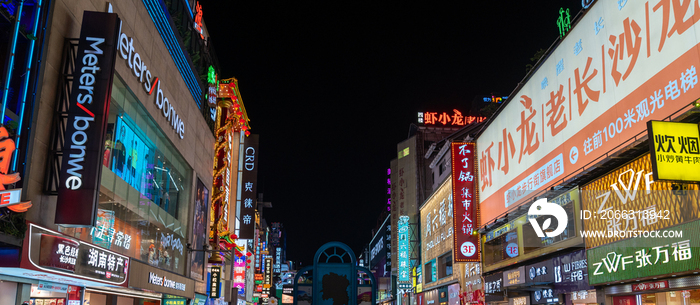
[[247, 133], [249, 254], [239, 113], [244, 127]]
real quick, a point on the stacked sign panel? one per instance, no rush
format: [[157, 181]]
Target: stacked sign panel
[[250, 185], [466, 241], [81, 167]]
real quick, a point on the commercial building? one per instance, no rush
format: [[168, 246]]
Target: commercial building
[[115, 149], [589, 130]]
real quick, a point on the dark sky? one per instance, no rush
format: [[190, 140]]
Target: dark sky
[[331, 88]]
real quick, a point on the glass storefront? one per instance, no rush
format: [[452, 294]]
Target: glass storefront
[[146, 184], [682, 297]]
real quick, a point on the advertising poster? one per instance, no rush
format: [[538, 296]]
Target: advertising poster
[[199, 229], [105, 225], [131, 156]]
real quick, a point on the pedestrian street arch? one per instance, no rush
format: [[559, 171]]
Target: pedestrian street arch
[[335, 279]]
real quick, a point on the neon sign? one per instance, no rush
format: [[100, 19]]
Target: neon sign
[[198, 20], [494, 99], [446, 119], [564, 22]]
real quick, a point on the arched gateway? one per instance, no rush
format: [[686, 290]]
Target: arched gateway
[[335, 279]]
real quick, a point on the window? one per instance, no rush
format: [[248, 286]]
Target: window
[[430, 272], [445, 265], [503, 247]]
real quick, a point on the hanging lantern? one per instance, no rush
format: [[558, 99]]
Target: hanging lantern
[[244, 127], [239, 113], [247, 133], [249, 254]]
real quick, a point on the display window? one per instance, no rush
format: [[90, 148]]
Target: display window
[[48, 294], [145, 187], [682, 297]]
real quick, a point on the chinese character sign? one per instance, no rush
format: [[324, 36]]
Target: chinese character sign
[[674, 150], [403, 251], [448, 119], [239, 272], [249, 187], [465, 210], [625, 63], [645, 257], [215, 277]]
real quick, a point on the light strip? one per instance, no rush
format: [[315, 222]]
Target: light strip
[[173, 46], [163, 26], [25, 84], [8, 75]]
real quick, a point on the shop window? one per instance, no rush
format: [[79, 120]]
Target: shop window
[[505, 246], [145, 187], [445, 265], [532, 242]]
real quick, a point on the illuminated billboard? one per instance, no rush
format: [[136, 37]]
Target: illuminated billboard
[[675, 153], [466, 246], [625, 64]]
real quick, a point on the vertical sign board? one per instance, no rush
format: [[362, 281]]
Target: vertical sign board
[[404, 265], [267, 281], [250, 185], [675, 153], [214, 292], [79, 179], [239, 273], [466, 241]]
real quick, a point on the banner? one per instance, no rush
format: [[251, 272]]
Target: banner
[[250, 186], [466, 239], [81, 167]]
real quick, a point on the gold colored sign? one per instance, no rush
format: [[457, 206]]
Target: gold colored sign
[[629, 200], [675, 151]]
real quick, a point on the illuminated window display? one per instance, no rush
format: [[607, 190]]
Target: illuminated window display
[[146, 183]]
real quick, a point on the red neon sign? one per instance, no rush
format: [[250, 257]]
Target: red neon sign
[[198, 20], [465, 210], [447, 119]]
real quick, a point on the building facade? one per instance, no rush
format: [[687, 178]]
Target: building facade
[[116, 157], [595, 132]]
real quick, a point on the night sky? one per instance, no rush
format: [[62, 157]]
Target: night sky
[[331, 88]]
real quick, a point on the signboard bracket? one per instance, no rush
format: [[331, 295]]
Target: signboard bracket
[[60, 119]]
